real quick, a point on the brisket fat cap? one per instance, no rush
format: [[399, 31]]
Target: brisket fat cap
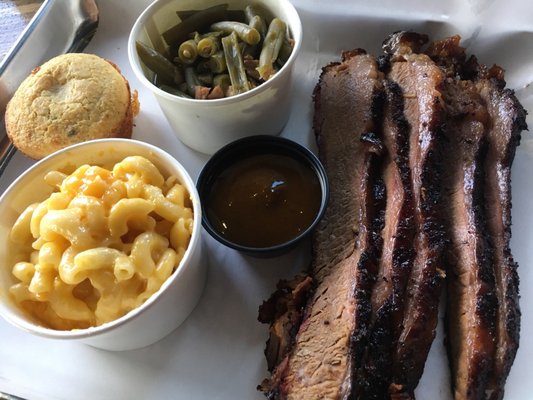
[[321, 363]]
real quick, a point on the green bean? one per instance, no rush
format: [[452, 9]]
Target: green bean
[[213, 34], [197, 36], [284, 52], [188, 51], [234, 62], [205, 78], [196, 22], [207, 46], [254, 9], [258, 24], [245, 32], [217, 62], [255, 19], [271, 47], [174, 91], [192, 80], [202, 66], [158, 64], [222, 80]]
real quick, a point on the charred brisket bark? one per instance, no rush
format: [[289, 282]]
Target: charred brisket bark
[[284, 312]]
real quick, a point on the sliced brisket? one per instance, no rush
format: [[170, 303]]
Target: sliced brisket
[[397, 255], [503, 119], [348, 101], [472, 302], [322, 360], [507, 121], [418, 147], [420, 80]]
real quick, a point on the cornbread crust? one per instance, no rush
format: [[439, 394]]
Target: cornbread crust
[[70, 99]]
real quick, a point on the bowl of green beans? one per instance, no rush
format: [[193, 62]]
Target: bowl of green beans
[[219, 69]]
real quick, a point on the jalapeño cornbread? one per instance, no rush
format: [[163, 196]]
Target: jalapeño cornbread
[[70, 99]]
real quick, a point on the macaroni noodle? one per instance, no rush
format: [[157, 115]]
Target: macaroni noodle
[[101, 244]]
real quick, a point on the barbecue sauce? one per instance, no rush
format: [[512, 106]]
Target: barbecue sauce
[[264, 200]]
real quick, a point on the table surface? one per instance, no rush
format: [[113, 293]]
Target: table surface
[[14, 16]]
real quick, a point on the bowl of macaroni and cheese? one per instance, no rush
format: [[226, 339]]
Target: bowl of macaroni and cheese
[[103, 245]]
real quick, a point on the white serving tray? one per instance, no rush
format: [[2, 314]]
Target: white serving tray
[[218, 352]]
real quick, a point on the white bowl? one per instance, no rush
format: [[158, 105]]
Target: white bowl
[[207, 125], [162, 312]]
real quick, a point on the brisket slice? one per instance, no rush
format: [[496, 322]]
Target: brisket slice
[[322, 360], [348, 100], [397, 254], [507, 121], [420, 80], [472, 302]]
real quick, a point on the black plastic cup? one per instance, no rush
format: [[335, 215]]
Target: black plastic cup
[[249, 147]]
